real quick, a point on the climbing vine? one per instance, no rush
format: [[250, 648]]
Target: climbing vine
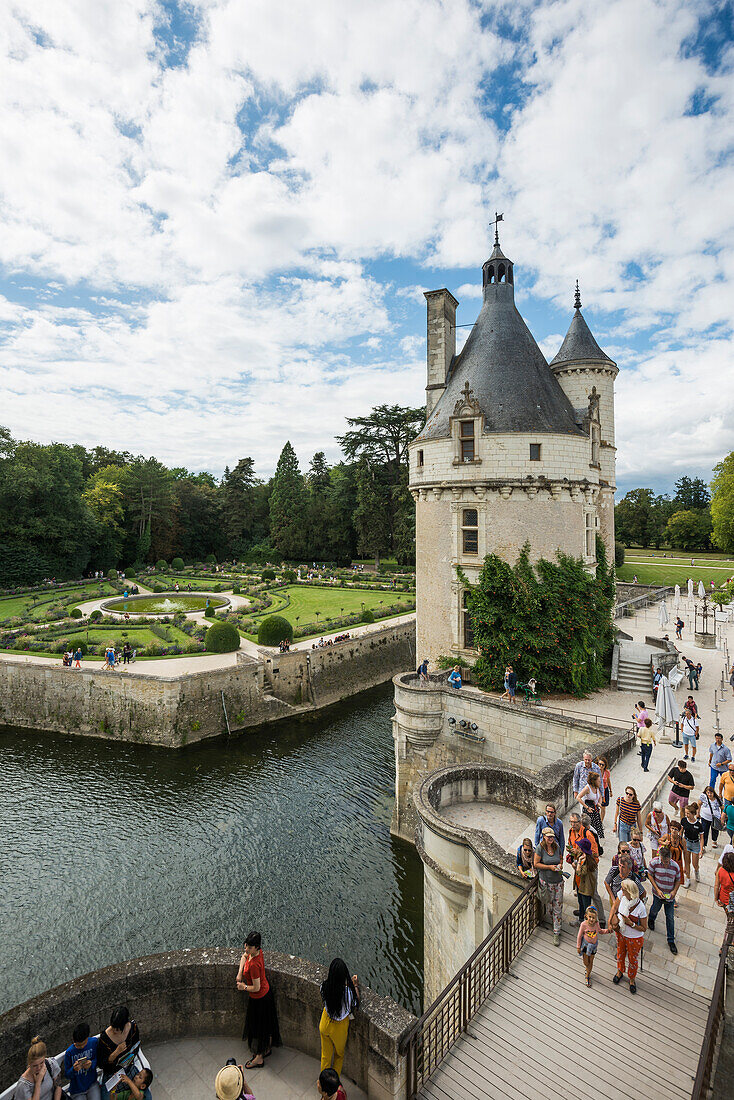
[[551, 620]]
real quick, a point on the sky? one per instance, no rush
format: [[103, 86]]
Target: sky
[[218, 217]]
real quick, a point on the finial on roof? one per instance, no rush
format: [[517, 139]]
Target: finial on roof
[[497, 219], [577, 297]]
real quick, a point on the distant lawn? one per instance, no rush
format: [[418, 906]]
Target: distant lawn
[[23, 606], [674, 574], [305, 601], [638, 554]]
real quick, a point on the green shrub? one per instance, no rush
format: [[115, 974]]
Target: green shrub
[[74, 645], [268, 574], [76, 613], [161, 566], [211, 559], [209, 613], [289, 575], [367, 616], [273, 630], [95, 616], [222, 637], [618, 554], [112, 575], [130, 574], [177, 564], [236, 590]]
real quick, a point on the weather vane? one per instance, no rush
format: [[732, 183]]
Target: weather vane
[[497, 219]]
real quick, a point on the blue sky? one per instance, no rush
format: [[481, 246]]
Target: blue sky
[[219, 216]]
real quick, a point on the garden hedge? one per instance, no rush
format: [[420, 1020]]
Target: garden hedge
[[222, 637], [76, 613], [161, 566], [273, 630], [130, 574], [177, 564], [95, 616], [268, 574]]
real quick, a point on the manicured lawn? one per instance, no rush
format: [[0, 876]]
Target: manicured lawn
[[675, 574], [22, 605], [305, 601], [635, 553]]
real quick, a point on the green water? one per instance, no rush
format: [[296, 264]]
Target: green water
[[164, 605], [114, 851]]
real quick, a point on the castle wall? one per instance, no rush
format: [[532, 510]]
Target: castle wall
[[530, 737], [173, 711]]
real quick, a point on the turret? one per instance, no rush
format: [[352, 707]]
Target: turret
[[587, 376]]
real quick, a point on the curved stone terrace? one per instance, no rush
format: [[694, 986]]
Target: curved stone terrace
[[190, 1016]]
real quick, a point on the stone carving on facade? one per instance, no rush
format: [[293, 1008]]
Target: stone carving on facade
[[467, 405]]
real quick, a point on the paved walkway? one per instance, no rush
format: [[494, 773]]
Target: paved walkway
[[187, 1069]]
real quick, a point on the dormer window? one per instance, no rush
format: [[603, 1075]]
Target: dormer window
[[466, 440]]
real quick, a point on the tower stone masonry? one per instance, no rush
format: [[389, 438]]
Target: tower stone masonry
[[514, 450]]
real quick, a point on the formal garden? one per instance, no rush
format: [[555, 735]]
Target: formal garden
[[174, 610]]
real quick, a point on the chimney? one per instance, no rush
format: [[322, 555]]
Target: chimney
[[441, 344]]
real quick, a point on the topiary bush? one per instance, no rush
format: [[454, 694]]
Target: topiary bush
[[130, 574], [112, 575], [177, 564], [211, 559], [367, 616], [268, 574], [95, 616], [76, 613], [81, 646], [273, 630], [222, 637], [161, 566], [236, 590], [289, 575]]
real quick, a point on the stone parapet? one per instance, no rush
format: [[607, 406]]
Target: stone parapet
[[192, 993]]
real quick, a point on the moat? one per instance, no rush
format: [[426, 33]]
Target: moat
[[111, 851]]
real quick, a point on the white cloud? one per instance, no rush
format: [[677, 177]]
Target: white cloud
[[223, 266]]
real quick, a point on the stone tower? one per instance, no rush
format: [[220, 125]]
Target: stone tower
[[587, 376], [512, 451]]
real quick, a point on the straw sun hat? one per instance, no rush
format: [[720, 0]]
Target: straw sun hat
[[230, 1083]]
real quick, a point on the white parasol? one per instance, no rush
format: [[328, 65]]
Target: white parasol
[[666, 707], [701, 590], [663, 616], [690, 588], [676, 602]]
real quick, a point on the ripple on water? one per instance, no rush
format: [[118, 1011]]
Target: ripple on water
[[112, 851]]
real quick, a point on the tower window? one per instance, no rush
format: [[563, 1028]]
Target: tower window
[[468, 628], [535, 452], [590, 535], [470, 531], [466, 440], [420, 458]]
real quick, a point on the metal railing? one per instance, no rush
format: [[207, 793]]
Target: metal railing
[[429, 1040], [714, 1022], [597, 719]]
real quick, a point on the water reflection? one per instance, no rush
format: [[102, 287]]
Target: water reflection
[[115, 851]]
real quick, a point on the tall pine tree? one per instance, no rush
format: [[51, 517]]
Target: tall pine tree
[[238, 506], [289, 508]]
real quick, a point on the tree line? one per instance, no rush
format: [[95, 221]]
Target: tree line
[[67, 510], [693, 518]]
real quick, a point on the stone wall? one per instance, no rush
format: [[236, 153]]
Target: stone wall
[[533, 738], [192, 993], [173, 711]]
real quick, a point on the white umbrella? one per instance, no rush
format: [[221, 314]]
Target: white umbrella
[[666, 707], [690, 588], [663, 616], [677, 597], [701, 590]]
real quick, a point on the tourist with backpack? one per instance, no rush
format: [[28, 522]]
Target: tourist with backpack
[[41, 1079]]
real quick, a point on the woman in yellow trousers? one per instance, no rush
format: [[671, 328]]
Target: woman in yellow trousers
[[340, 994]]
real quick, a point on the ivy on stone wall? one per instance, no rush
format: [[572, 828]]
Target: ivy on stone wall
[[552, 620]]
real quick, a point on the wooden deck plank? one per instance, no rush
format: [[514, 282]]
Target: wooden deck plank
[[524, 1040], [615, 1037]]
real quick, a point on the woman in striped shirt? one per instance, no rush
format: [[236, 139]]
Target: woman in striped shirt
[[628, 814]]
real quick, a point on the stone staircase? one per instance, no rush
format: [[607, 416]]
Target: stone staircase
[[635, 672]]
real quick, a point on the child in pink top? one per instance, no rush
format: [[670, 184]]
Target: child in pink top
[[588, 939]]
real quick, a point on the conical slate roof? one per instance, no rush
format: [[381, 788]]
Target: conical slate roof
[[579, 343], [507, 374]]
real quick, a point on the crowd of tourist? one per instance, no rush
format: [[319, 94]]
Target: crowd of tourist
[[111, 1066], [324, 643], [676, 846]]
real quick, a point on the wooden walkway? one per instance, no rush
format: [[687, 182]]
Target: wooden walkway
[[542, 1035]]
